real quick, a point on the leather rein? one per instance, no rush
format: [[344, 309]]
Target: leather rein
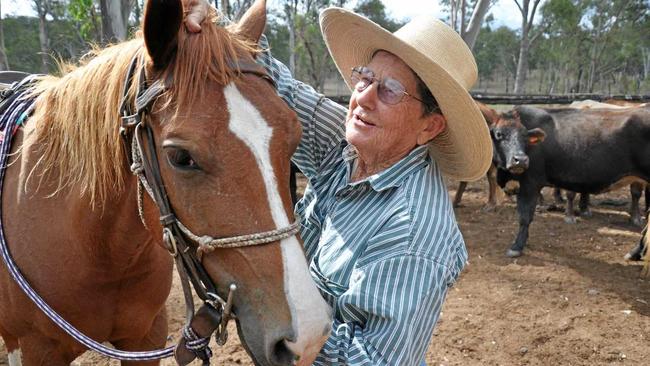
[[185, 246]]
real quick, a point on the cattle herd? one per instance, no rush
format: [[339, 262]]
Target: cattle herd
[[587, 148]]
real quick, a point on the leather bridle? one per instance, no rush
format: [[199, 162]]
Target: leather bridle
[[185, 246]]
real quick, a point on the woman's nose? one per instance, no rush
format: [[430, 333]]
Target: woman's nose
[[367, 97]]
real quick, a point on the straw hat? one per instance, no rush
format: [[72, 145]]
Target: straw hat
[[438, 55]]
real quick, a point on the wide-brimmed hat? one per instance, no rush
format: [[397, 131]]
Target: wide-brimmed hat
[[438, 55]]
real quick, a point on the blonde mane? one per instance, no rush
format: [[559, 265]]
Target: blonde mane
[[76, 115]]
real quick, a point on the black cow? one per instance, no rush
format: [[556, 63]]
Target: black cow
[[579, 150], [636, 192]]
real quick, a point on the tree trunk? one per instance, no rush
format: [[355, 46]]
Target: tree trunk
[[453, 14], [224, 7], [137, 12], [43, 36], [113, 23], [462, 18], [4, 63], [290, 10], [522, 66], [645, 52], [474, 27], [527, 17]]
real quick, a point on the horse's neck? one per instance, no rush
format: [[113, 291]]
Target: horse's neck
[[111, 233]]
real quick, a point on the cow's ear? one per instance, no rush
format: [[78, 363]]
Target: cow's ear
[[535, 136], [162, 20]]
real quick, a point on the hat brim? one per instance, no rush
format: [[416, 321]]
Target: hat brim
[[464, 149]]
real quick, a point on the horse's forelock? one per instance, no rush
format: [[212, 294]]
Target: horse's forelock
[[210, 55]]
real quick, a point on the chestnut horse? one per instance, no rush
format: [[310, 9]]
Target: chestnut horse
[[70, 208]]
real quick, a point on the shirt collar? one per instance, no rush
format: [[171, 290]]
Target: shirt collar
[[396, 173]]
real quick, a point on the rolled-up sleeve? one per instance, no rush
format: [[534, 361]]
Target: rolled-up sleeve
[[322, 119]]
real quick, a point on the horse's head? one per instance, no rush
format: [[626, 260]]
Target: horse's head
[[223, 141]]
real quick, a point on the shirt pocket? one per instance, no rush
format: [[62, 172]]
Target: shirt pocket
[[325, 283]]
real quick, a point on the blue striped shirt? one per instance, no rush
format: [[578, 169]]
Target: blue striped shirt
[[384, 250]]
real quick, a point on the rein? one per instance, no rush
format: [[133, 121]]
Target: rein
[[185, 246]]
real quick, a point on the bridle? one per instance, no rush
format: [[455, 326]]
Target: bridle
[[185, 246]]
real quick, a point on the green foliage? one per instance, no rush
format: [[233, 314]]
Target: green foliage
[[585, 45], [84, 14], [23, 47], [21, 42], [496, 51], [376, 11], [277, 34]]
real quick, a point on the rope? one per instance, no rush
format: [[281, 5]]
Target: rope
[[208, 243], [13, 113], [197, 345]]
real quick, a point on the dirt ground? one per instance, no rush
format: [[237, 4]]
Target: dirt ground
[[570, 300]]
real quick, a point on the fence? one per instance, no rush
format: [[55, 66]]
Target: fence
[[532, 98]]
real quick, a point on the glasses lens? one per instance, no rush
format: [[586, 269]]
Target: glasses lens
[[391, 91], [362, 77]]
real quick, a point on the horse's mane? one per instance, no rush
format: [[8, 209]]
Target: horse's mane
[[77, 121]]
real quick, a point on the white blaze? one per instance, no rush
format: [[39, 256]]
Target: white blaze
[[310, 314], [15, 357]]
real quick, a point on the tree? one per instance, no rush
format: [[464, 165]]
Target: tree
[[467, 24], [115, 16], [376, 11], [291, 13], [43, 9], [527, 17], [471, 33], [86, 18], [4, 63], [496, 55]]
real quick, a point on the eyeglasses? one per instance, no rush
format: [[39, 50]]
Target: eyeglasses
[[389, 91]]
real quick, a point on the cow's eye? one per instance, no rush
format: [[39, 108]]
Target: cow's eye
[[180, 158], [498, 135]]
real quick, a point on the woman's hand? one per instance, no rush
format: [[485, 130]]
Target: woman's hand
[[197, 12]]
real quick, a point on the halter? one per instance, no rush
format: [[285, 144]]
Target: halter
[[185, 246]]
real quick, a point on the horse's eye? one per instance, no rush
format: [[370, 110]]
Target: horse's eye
[[180, 158]]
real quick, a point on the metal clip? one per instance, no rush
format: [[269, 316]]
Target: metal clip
[[170, 242], [221, 335]]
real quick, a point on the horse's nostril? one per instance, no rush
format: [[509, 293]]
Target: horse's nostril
[[281, 354]]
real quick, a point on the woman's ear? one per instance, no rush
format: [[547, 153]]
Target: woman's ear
[[434, 124]]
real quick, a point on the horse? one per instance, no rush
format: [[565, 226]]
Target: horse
[[89, 242]]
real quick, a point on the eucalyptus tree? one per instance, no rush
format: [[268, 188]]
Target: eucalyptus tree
[[4, 63]]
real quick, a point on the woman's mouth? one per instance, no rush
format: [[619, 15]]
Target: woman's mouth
[[359, 120]]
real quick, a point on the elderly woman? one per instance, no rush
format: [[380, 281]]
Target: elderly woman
[[377, 223]]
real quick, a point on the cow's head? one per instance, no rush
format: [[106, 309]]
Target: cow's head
[[511, 140]]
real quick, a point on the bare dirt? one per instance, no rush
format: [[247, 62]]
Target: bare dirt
[[570, 300]]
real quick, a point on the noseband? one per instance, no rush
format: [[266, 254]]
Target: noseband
[[185, 246]]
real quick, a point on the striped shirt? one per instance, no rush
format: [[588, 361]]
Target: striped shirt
[[384, 250]]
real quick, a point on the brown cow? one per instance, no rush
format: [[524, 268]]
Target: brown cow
[[491, 116]]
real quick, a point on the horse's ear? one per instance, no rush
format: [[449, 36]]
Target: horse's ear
[[162, 20], [251, 26]]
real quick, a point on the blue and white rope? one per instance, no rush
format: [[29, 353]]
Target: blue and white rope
[[17, 111]]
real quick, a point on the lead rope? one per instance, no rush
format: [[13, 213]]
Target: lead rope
[[17, 110]]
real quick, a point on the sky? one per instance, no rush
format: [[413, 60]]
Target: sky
[[505, 11]]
